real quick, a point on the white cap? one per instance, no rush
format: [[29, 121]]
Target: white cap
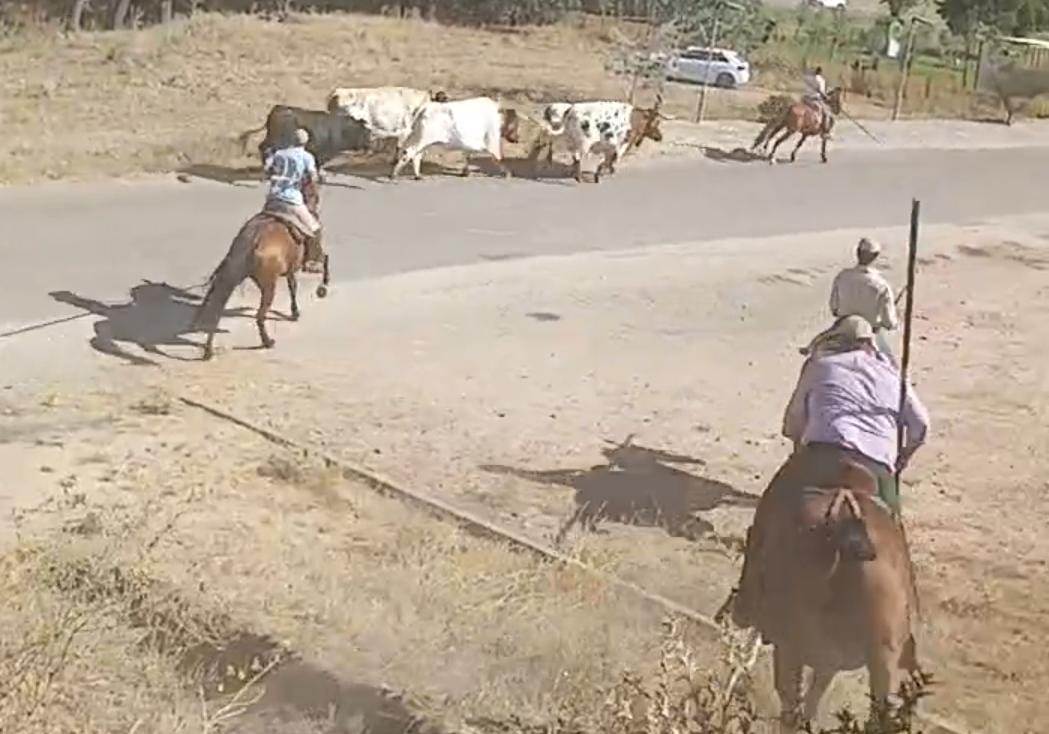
[[302, 137], [868, 246]]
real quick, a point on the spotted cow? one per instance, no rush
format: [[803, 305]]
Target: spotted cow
[[608, 128]]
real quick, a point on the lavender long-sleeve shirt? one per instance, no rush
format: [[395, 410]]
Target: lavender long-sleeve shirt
[[851, 399]]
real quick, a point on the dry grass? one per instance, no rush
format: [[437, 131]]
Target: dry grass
[[242, 589], [167, 97]]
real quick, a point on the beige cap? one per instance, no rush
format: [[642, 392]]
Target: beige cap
[[868, 246], [853, 328], [302, 137]]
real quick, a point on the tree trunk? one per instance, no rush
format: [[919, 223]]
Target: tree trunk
[[76, 17], [120, 14], [167, 10]]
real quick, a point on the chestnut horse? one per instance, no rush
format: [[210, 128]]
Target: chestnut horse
[[836, 586], [265, 250], [803, 119]]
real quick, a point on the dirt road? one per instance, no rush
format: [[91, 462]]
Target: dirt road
[[98, 240]]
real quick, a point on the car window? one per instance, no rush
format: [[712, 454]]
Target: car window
[[721, 58], [697, 55]]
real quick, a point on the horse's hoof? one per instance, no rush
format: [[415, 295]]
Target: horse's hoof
[[268, 344], [295, 316], [417, 178], [206, 357], [322, 291]]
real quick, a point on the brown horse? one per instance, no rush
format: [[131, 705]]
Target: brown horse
[[837, 591], [265, 249], [803, 119]]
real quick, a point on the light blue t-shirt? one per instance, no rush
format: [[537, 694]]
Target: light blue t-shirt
[[287, 169]]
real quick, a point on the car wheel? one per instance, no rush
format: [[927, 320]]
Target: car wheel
[[725, 80]]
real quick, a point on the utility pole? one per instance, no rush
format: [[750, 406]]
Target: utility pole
[[702, 104], [905, 65]]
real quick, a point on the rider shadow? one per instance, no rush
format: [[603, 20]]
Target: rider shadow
[[736, 155], [638, 486], [158, 315]]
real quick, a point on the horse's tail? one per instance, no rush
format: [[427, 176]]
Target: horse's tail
[[231, 272], [763, 135], [850, 531], [772, 127]]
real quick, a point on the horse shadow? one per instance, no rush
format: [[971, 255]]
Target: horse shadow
[[638, 486], [298, 695], [232, 175], [158, 315], [243, 176], [736, 155]]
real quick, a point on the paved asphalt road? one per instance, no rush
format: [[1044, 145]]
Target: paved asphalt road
[[98, 240]]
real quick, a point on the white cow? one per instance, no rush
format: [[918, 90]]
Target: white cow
[[387, 112], [610, 128], [475, 125]]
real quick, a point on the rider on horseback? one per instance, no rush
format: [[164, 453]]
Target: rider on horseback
[[290, 170], [815, 96], [844, 409]]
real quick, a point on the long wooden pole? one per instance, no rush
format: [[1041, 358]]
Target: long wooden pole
[[912, 260]]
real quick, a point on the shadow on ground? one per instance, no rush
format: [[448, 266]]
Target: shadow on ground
[[233, 175], [158, 315], [376, 168], [299, 696], [638, 486], [736, 155]]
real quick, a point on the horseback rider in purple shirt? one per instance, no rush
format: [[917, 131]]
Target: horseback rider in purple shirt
[[845, 407]]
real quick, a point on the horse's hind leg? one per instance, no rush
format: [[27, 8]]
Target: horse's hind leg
[[787, 671], [821, 680], [209, 350], [293, 288], [823, 149], [883, 666], [269, 289], [779, 141], [801, 142]]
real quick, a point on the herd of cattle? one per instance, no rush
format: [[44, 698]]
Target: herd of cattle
[[357, 119]]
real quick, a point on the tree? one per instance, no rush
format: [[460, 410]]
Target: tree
[[1009, 17], [897, 8]]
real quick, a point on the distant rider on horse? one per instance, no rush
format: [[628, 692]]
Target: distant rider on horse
[[815, 96], [844, 409], [863, 291], [291, 169]]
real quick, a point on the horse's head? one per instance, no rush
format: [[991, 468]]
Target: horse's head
[[835, 98]]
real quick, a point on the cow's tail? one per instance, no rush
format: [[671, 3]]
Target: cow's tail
[[231, 272], [243, 137]]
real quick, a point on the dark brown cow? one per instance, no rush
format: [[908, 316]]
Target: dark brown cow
[[331, 133]]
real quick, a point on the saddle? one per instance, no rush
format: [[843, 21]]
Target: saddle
[[832, 485], [310, 247]]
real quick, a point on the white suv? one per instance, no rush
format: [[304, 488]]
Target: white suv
[[717, 66]]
